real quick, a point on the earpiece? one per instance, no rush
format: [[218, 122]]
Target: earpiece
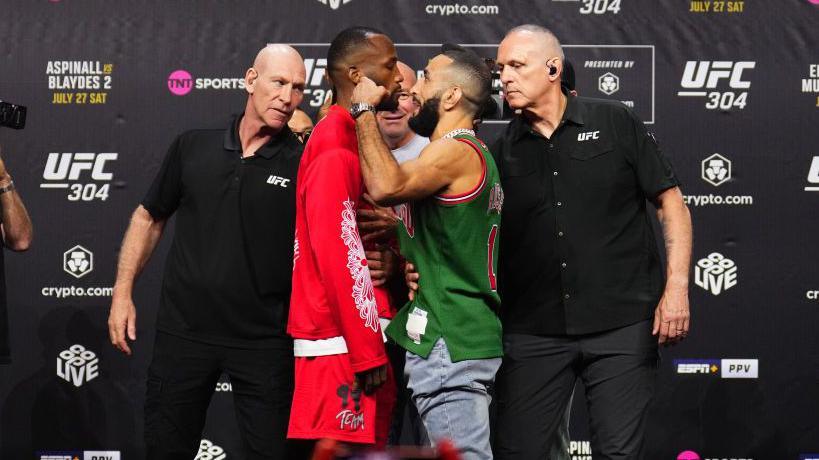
[[552, 70]]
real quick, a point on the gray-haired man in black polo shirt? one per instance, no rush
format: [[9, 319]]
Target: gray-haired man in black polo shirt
[[580, 277], [226, 287]]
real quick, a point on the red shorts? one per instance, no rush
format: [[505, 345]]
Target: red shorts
[[325, 406]]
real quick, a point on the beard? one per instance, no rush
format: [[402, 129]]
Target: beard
[[427, 119], [390, 103]]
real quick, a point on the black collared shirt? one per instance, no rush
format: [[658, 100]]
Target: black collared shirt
[[228, 273], [577, 250]]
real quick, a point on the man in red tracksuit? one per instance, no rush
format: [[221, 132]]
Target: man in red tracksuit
[[341, 365]]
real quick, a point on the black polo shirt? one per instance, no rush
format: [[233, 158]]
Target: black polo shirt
[[577, 249], [228, 273]]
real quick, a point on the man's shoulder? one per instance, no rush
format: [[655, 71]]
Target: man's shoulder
[[328, 154], [201, 135]]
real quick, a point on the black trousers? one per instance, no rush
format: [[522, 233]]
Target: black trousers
[[537, 377], [182, 378]]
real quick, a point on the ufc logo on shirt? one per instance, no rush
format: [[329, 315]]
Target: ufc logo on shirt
[[278, 180], [589, 135]]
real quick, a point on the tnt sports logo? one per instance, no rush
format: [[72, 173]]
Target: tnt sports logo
[[78, 261], [180, 83], [334, 4], [716, 170], [715, 273], [608, 83], [813, 176], [700, 76], [77, 365], [210, 451], [83, 174]]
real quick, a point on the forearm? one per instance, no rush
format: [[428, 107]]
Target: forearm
[[140, 240], [17, 230], [677, 234], [383, 177]]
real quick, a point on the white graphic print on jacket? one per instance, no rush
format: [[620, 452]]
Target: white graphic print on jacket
[[357, 264]]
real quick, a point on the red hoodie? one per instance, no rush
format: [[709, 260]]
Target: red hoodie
[[333, 295]]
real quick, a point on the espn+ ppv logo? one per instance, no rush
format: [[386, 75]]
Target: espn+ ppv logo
[[726, 368], [722, 83]]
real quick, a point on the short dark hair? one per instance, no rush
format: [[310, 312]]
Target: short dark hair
[[347, 41], [476, 74]]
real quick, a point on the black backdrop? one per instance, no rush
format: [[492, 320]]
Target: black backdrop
[[100, 81]]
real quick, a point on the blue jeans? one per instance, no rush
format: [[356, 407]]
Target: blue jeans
[[452, 398]]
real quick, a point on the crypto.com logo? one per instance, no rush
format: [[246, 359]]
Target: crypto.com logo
[[78, 261], [180, 82], [716, 170]]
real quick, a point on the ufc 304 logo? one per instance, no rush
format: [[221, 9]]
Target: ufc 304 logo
[[84, 175], [725, 80]]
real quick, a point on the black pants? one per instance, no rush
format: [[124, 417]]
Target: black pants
[[535, 384], [182, 378]]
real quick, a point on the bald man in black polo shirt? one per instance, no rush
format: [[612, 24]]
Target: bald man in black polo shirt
[[226, 288], [580, 277]]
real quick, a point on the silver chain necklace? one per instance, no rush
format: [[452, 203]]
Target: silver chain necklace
[[456, 132]]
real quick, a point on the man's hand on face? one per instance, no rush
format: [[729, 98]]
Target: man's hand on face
[[366, 91]]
